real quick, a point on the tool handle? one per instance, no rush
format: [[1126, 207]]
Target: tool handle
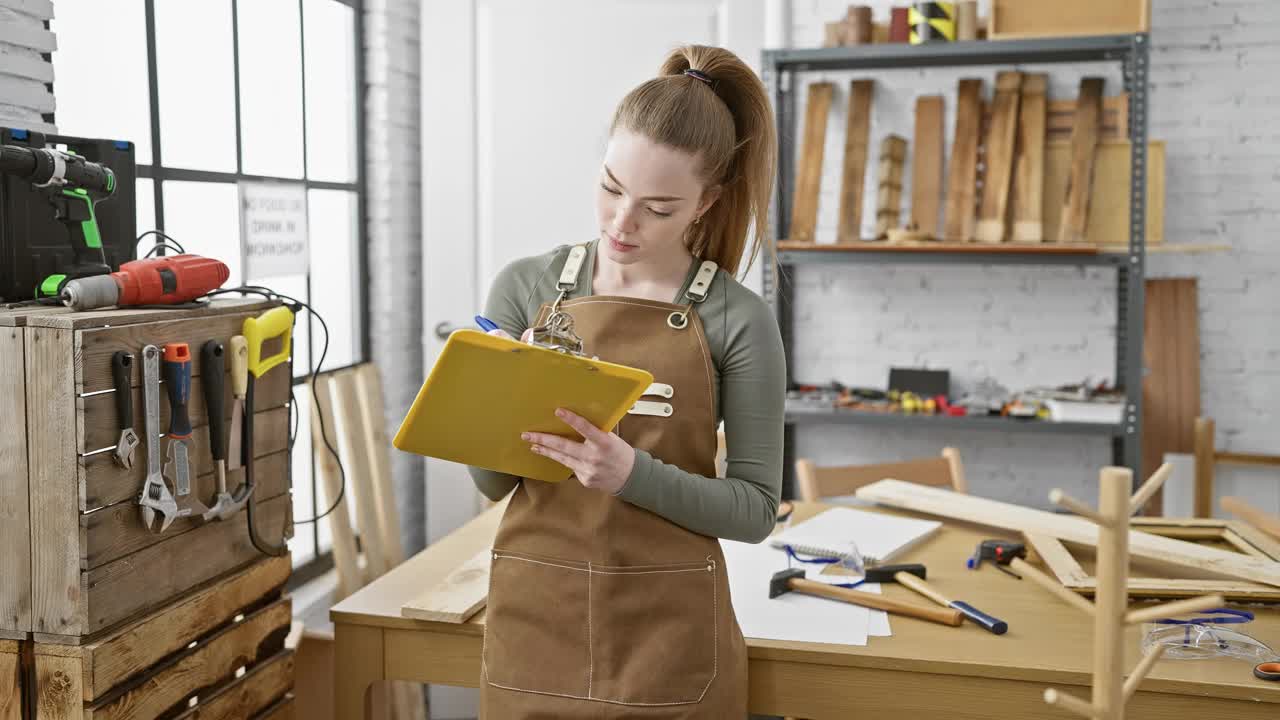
[[122, 378], [276, 322], [942, 616], [921, 587], [212, 371], [177, 381], [239, 365], [983, 620]]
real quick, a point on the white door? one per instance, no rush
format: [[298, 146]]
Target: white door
[[517, 97]]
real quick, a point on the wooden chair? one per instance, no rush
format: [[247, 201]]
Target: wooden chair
[[821, 482], [1207, 456]]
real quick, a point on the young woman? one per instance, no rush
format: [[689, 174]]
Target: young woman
[[608, 595]]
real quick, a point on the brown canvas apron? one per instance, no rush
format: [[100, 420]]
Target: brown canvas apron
[[601, 609]]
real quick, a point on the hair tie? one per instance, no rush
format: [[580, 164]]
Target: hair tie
[[698, 75]]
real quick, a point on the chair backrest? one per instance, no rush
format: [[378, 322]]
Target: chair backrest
[[1207, 455], [816, 482]]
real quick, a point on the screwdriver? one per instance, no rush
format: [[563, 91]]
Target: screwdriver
[[177, 380]]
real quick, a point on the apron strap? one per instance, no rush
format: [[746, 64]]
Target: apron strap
[[572, 267], [697, 292]]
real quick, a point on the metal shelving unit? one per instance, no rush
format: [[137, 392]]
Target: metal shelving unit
[[782, 70]]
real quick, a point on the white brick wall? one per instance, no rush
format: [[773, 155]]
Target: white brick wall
[[1214, 100], [24, 73], [395, 231]]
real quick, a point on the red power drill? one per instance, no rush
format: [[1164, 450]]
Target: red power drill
[[166, 280]]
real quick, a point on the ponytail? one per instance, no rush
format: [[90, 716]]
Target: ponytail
[[718, 111]]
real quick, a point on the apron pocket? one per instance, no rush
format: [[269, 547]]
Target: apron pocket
[[536, 625], [653, 633]]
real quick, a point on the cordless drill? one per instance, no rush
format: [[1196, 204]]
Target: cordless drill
[[166, 280], [74, 186]]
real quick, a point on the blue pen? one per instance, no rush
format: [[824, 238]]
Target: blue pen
[[486, 324]]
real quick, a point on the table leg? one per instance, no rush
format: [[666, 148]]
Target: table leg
[[358, 662]]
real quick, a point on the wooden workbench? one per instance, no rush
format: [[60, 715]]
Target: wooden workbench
[[924, 671]]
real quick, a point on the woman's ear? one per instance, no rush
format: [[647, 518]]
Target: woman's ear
[[709, 197]]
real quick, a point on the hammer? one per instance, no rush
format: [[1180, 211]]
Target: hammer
[[792, 579], [212, 370]]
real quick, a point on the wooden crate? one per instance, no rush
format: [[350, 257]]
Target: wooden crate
[[1053, 18], [10, 680], [217, 654], [92, 564]]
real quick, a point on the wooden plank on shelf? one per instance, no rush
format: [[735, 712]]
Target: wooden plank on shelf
[[893, 154], [258, 690], [962, 178], [804, 208], [1084, 144], [15, 517], [104, 483], [57, 604], [1028, 181], [213, 661], [944, 247], [1001, 137], [856, 146], [1060, 117], [1012, 19], [1109, 203], [1171, 385], [133, 649], [457, 597], [949, 504], [926, 164]]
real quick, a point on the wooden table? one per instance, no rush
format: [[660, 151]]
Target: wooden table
[[924, 671]]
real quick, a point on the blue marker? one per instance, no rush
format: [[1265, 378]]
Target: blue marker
[[486, 324]]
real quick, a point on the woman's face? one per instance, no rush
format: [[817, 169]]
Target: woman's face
[[647, 197]]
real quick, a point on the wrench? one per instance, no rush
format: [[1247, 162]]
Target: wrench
[[121, 372], [155, 497]]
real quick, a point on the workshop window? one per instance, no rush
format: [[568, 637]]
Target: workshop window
[[265, 90]]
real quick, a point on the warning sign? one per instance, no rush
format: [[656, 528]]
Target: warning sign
[[273, 229]]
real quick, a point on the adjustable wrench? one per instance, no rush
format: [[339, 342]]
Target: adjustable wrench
[[155, 497], [121, 375]]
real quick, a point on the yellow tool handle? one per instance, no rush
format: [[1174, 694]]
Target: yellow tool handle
[[276, 322], [921, 587], [879, 602], [239, 365]]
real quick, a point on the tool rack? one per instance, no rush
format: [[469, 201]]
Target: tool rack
[[782, 70]]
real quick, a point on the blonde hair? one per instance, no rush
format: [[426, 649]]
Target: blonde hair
[[728, 124]]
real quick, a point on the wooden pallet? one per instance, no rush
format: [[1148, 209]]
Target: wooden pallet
[[217, 653], [10, 680], [88, 563]]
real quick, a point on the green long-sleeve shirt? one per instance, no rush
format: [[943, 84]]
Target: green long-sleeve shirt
[[749, 391]]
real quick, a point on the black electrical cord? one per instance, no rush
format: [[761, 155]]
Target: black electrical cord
[[315, 398], [163, 240], [162, 244]]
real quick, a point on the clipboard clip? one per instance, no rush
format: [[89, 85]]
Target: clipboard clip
[[557, 334]]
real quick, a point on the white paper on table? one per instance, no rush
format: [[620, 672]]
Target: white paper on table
[[878, 620], [793, 616]]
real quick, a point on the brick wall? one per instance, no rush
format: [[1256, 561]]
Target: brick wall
[[26, 100], [1214, 101], [395, 231]]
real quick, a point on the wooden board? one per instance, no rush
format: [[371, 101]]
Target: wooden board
[[962, 178], [1109, 204], [943, 247], [116, 531], [284, 709], [56, 600], [99, 426], [1156, 581], [132, 650], [945, 503], [456, 598], [893, 154], [1060, 117], [359, 466], [1028, 180], [804, 207], [345, 557], [1084, 144], [856, 145], [15, 526], [10, 681], [374, 423], [1022, 19], [1171, 385], [999, 158], [259, 690], [926, 164], [212, 662], [103, 482], [66, 319]]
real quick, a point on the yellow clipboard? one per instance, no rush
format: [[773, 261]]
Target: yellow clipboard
[[485, 390]]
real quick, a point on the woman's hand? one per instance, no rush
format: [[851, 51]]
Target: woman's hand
[[602, 461]]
